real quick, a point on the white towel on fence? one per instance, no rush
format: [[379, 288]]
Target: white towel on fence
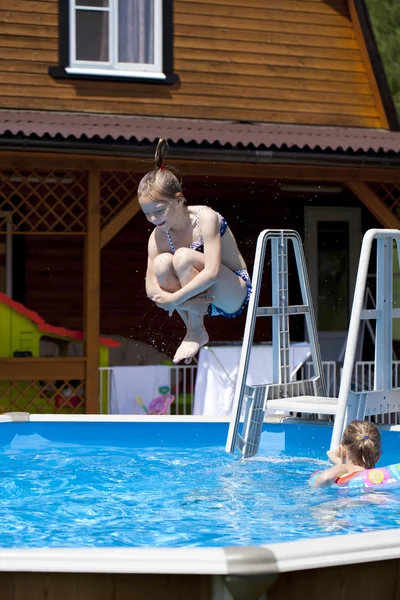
[[128, 383], [217, 373]]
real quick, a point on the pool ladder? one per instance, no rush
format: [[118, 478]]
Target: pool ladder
[[308, 396], [283, 393], [383, 398]]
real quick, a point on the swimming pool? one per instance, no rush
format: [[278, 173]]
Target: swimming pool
[[160, 495]]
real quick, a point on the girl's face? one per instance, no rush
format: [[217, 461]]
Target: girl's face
[[160, 214]]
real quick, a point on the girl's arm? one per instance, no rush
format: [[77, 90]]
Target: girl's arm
[[330, 475], [335, 455], [210, 230], [152, 286]]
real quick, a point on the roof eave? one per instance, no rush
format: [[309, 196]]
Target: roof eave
[[211, 152]]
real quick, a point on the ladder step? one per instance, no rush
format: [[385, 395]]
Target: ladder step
[[270, 311], [305, 404]]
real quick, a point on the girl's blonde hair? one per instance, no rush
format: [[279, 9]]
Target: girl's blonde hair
[[363, 443], [162, 184]]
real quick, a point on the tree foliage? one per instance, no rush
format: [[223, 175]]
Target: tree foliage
[[385, 18]]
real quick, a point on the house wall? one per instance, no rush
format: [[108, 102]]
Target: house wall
[[286, 61], [54, 264]]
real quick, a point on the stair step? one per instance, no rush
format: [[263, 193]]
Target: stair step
[[305, 404]]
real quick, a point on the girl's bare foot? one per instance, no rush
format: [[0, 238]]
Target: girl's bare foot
[[191, 344]]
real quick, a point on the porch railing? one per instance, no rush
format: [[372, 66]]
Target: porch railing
[[363, 380], [182, 384], [43, 385], [183, 381]]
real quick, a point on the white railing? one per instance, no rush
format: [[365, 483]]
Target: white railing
[[365, 372], [363, 381], [183, 379], [182, 382], [329, 369]]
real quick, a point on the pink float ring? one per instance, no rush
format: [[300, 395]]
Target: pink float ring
[[160, 404]]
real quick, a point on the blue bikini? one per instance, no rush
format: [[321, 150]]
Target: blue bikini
[[198, 245]]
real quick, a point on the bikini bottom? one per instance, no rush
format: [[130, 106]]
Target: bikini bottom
[[214, 311]]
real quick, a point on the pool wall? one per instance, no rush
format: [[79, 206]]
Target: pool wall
[[361, 565]]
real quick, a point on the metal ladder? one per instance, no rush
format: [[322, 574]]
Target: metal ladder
[[383, 398], [307, 396]]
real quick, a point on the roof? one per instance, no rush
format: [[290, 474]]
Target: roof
[[85, 127], [62, 332]]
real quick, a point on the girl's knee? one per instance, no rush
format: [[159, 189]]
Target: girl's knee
[[163, 264], [182, 258]]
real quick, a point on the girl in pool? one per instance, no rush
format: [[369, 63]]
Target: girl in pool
[[194, 265], [360, 450]]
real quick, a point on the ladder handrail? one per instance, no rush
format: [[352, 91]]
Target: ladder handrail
[[248, 335], [354, 326]]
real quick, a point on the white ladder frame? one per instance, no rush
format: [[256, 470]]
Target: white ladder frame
[[257, 396], [383, 398]]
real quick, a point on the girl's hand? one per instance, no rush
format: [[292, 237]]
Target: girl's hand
[[335, 455], [165, 300]]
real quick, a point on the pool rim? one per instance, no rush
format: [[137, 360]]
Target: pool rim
[[278, 557]]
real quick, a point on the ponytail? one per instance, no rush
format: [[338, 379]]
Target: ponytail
[[367, 452], [161, 153], [363, 443], [163, 184]]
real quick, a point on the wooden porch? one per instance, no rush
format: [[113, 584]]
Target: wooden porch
[[94, 197]]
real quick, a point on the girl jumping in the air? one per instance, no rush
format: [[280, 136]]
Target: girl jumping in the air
[[194, 265]]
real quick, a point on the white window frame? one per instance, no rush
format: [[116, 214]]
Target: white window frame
[[113, 67]]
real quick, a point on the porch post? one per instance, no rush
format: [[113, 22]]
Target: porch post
[[119, 221], [92, 293]]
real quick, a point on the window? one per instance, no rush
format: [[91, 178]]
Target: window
[[116, 39]]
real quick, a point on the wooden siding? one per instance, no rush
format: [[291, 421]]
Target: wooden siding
[[288, 61]]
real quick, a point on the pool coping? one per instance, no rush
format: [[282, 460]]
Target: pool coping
[[232, 560], [271, 419], [273, 558]]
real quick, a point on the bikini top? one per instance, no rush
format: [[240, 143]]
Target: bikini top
[[199, 243]]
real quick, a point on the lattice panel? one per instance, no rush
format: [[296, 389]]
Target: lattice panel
[[43, 396], [43, 202], [389, 193], [116, 190]]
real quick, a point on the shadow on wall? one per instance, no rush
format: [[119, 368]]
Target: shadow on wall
[[130, 353], [339, 6], [135, 353]]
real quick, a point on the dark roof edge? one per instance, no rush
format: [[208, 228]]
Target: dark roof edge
[[182, 152], [377, 65]]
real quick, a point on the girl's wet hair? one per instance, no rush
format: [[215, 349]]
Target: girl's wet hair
[[163, 183], [363, 443]]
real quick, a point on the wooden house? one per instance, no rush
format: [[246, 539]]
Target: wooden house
[[278, 114]]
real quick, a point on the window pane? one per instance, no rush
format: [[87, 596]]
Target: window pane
[[92, 35], [136, 31], [333, 280], [97, 3]]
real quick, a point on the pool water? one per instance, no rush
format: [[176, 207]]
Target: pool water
[[58, 493]]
